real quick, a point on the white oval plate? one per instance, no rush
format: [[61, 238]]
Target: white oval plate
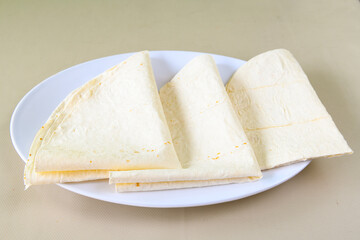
[[37, 105]]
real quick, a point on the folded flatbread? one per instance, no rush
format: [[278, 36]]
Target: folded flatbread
[[281, 113], [209, 140], [113, 122]]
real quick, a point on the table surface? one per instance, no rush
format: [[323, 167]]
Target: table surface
[[40, 38]]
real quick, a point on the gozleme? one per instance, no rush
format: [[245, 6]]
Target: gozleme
[[207, 135], [281, 113], [113, 122]]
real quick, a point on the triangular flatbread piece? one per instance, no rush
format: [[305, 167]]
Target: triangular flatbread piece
[[113, 122], [209, 140], [281, 113]]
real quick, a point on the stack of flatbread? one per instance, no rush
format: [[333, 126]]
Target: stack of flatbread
[[194, 133]]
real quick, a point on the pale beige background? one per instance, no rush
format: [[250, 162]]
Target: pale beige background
[[40, 38]]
